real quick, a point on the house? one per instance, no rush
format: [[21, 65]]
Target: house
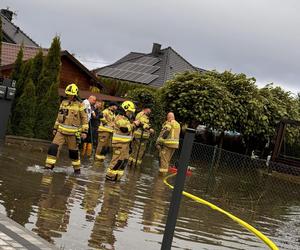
[[152, 69], [11, 32], [72, 71]]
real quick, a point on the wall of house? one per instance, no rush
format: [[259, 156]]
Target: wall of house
[[6, 73], [71, 74]]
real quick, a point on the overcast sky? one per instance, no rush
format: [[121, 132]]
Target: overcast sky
[[258, 37]]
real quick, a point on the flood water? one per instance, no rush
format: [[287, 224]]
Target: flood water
[[86, 212]]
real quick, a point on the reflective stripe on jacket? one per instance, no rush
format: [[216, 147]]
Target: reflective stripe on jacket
[[121, 138], [71, 118], [172, 140], [144, 119], [105, 129], [122, 121], [107, 121]]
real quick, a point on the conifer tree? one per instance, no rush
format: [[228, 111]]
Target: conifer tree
[[48, 113], [22, 79], [25, 110], [37, 67], [51, 68], [47, 92]]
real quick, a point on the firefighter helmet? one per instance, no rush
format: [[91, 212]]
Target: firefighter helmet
[[128, 106], [71, 89]]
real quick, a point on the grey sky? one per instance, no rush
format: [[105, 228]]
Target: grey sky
[[258, 37]]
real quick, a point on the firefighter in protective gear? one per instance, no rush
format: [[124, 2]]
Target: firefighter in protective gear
[[168, 142], [140, 136], [105, 131], [122, 136], [71, 121]]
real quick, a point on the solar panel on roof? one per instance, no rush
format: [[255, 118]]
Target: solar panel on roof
[[118, 73], [103, 71], [151, 78], [152, 69], [137, 76], [125, 66], [136, 67], [109, 71], [125, 77], [124, 73], [138, 72]]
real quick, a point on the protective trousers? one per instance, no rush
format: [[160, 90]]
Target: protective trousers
[[104, 143], [87, 149], [165, 156], [118, 161], [138, 150], [55, 146]]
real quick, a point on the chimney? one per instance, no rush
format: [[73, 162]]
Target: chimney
[[156, 49], [7, 13]]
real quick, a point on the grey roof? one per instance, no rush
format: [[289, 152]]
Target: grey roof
[[147, 68], [13, 34]]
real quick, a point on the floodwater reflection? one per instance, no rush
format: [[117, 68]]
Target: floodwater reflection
[[85, 212]]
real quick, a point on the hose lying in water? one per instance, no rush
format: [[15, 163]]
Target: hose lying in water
[[244, 224]]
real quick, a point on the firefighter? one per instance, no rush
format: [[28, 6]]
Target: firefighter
[[71, 123], [122, 136], [105, 131], [168, 141], [141, 135]]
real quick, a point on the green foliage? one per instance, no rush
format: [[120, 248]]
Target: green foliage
[[47, 114], [36, 82], [37, 67], [199, 97], [279, 104], [23, 78], [51, 69], [25, 111], [247, 108], [94, 89], [151, 97], [228, 101], [47, 91]]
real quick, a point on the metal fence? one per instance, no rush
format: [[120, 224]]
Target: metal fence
[[215, 167]]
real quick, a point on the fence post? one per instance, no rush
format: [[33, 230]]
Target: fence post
[[178, 188]]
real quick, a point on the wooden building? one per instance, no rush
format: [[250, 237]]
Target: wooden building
[[72, 71]]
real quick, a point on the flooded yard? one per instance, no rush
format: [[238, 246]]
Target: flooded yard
[[87, 212]]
